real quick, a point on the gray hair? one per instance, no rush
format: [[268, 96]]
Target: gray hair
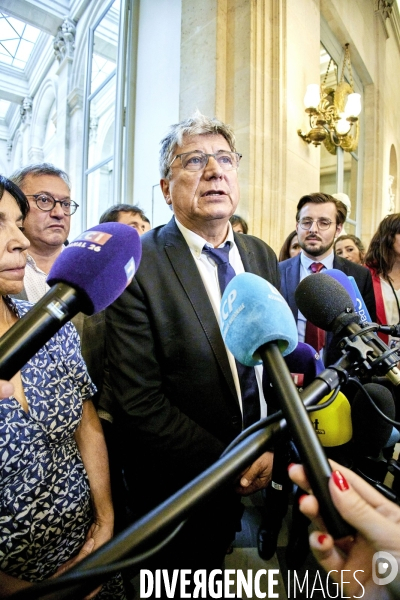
[[197, 124], [19, 176]]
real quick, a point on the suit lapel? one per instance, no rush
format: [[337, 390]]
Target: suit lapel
[[247, 255], [292, 281], [183, 264], [339, 263]]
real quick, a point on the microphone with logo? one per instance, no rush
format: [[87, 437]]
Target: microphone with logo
[[351, 287], [326, 303], [258, 326], [90, 273]]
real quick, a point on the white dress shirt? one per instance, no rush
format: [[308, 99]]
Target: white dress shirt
[[208, 271], [305, 264]]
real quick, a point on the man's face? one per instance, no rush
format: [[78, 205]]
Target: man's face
[[46, 228], [317, 243], [133, 220], [201, 197]]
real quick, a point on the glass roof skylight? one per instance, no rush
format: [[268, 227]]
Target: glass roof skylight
[[16, 41], [4, 106]]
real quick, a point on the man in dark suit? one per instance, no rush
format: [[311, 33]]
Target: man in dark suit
[[180, 398], [319, 220]]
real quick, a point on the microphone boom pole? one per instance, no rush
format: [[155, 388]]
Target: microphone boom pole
[[316, 464]]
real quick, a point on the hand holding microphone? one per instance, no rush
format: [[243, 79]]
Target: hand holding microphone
[[258, 326]]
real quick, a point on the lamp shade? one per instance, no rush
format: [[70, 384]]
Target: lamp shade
[[342, 126], [312, 96], [353, 105]]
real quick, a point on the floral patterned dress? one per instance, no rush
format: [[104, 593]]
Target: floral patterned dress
[[45, 507]]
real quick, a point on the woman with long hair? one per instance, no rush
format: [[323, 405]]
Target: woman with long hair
[[290, 247], [351, 247], [383, 260]]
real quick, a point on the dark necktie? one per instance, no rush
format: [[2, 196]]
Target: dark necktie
[[314, 335], [247, 376]]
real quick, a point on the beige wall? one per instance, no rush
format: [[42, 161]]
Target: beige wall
[[249, 61]]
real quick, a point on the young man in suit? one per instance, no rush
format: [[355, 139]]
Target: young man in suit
[[319, 220], [180, 397]]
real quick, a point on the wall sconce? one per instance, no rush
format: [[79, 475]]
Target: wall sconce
[[333, 113]]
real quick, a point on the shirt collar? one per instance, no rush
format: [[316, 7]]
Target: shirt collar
[[327, 261], [196, 243]]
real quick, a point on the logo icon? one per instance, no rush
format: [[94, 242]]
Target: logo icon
[[384, 568]]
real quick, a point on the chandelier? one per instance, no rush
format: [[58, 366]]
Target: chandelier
[[333, 113]]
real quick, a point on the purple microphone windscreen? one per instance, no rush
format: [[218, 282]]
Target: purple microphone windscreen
[[254, 313], [304, 364], [100, 262], [342, 278], [370, 431], [322, 299]]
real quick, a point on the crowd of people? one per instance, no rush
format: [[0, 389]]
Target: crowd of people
[[121, 409]]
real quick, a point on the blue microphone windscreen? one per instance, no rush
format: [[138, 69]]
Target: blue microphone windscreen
[[100, 263], [254, 313], [394, 438], [360, 306], [344, 281]]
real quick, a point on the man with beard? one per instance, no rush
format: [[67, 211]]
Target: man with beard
[[319, 220]]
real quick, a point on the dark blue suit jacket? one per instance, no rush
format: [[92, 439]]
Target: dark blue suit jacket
[[290, 279]]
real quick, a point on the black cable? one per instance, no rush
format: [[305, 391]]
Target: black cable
[[378, 410], [49, 586], [277, 416]]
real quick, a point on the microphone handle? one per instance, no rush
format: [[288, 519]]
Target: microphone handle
[[393, 330], [315, 462], [36, 327], [387, 366]]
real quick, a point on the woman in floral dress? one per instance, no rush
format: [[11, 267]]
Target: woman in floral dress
[[55, 501]]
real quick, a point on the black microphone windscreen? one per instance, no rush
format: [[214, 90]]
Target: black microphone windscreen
[[322, 300], [370, 431]]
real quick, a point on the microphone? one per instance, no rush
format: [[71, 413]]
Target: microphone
[[360, 306], [88, 275], [333, 424], [371, 432], [258, 326], [326, 303], [342, 278], [351, 287]]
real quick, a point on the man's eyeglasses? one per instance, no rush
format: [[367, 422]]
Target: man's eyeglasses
[[197, 161], [322, 224], [46, 202]]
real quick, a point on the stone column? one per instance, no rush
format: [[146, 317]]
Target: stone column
[[64, 46], [26, 120]]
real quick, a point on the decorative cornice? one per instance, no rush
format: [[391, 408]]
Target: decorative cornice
[[64, 41], [388, 10]]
